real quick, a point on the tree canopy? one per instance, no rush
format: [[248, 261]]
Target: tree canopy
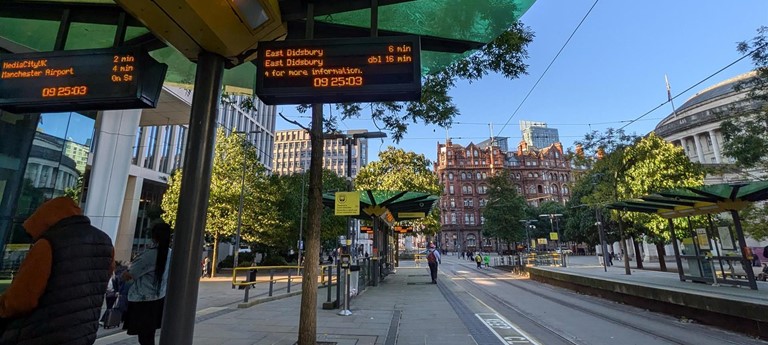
[[399, 170], [504, 210]]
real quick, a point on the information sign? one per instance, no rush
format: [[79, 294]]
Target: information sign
[[347, 204], [76, 80], [553, 236], [375, 69], [345, 260]]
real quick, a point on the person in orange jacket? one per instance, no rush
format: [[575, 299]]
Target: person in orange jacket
[[56, 295]]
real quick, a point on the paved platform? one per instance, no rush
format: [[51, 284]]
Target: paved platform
[[729, 306], [406, 309], [403, 309]]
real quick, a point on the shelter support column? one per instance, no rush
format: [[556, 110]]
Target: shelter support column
[[743, 244], [676, 248], [128, 216], [183, 279]]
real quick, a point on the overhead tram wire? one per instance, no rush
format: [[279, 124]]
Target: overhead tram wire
[[695, 85], [548, 66]]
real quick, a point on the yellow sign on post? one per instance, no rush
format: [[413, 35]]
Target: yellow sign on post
[[347, 203], [553, 236]]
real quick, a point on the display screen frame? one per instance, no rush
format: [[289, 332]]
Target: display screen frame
[[403, 84], [92, 70]]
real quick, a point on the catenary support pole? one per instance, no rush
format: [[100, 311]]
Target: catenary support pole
[[183, 278], [676, 249]]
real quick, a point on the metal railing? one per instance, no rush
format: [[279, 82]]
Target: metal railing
[[285, 274]]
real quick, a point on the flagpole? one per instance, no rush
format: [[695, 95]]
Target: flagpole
[[669, 96]]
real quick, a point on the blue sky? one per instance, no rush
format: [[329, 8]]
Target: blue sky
[[612, 70]]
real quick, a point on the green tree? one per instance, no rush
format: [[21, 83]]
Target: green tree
[[236, 170], [654, 165], [744, 131], [399, 170], [504, 210]]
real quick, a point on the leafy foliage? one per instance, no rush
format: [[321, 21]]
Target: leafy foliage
[[504, 210], [236, 170], [399, 170], [503, 55], [654, 165]]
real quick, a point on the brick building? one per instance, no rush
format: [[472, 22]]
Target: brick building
[[539, 175]]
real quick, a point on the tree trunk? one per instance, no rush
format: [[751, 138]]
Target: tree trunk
[[308, 313], [638, 255], [215, 254], [623, 246], [662, 252]]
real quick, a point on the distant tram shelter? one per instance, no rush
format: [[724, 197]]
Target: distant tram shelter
[[711, 253], [383, 209]]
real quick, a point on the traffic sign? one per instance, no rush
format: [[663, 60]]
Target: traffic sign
[[553, 236]]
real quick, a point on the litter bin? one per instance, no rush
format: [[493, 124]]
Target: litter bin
[[251, 278], [354, 276]]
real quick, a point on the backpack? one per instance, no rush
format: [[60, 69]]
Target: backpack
[[478, 258], [431, 258]]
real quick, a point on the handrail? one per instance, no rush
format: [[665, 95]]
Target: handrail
[[248, 283]]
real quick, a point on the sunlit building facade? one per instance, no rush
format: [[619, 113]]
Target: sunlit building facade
[[292, 153], [538, 175]]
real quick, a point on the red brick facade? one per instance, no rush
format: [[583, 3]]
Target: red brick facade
[[540, 175]]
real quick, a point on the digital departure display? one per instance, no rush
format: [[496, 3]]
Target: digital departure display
[[78, 80], [376, 69]]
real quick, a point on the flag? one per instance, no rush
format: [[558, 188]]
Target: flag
[[669, 90]]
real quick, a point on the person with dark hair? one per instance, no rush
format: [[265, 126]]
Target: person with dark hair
[[149, 272], [56, 296]]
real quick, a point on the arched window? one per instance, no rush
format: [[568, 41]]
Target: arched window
[[471, 240], [531, 189], [463, 176], [468, 154], [485, 176], [478, 175], [541, 189], [453, 217], [517, 176], [450, 176], [530, 174], [519, 189], [565, 189], [554, 189]]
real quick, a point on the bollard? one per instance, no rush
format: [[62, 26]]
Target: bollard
[[330, 281], [338, 281], [247, 288], [289, 281], [271, 281]]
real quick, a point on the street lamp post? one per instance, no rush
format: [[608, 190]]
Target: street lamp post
[[351, 140], [552, 217], [240, 207], [528, 225]]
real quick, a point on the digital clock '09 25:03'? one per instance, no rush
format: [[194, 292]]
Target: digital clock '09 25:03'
[[65, 91], [337, 82]]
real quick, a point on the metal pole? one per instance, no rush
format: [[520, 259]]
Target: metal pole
[[676, 249], [743, 245], [603, 246], [183, 278], [345, 311], [301, 214], [240, 211]]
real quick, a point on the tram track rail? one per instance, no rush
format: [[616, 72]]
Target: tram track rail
[[571, 338]]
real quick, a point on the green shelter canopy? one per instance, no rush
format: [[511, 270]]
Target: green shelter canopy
[[697, 201], [393, 205], [449, 29]]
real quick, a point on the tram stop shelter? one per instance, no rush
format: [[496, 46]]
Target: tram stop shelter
[[711, 253], [383, 209]]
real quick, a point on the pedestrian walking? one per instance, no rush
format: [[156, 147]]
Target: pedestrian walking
[[433, 259], [149, 272], [57, 294], [478, 260], [487, 260]]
